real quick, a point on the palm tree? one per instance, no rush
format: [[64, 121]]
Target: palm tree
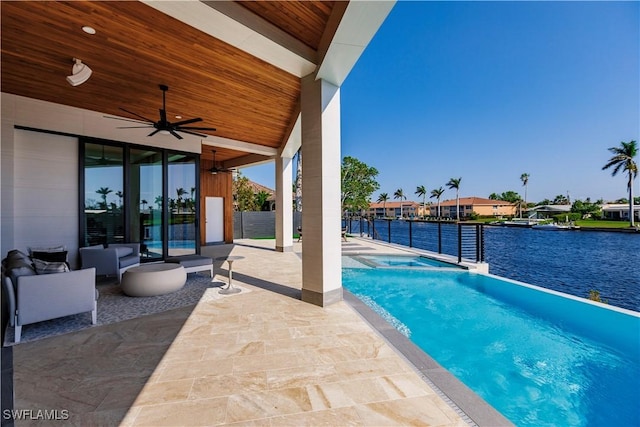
[[623, 160], [144, 204], [382, 198], [421, 191], [437, 193], [181, 192], [399, 194], [455, 183], [120, 195], [104, 191], [525, 180]]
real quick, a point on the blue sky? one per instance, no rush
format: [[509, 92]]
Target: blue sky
[[487, 91]]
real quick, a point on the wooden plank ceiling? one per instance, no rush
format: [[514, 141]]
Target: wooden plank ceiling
[[136, 48]]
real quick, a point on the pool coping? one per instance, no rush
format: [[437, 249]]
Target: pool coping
[[470, 406]]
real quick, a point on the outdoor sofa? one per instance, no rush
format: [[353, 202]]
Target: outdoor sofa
[[37, 290]]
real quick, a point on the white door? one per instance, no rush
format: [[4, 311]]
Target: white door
[[214, 210]]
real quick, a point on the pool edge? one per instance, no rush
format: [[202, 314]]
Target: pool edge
[[469, 405]]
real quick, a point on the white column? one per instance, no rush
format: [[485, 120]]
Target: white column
[[284, 204], [321, 243]]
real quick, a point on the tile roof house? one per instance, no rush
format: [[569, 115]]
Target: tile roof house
[[469, 205], [392, 209]]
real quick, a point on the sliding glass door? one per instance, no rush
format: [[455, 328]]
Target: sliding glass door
[[147, 202], [182, 204], [140, 194]]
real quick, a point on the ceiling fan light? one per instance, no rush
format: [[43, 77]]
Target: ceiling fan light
[[165, 132], [80, 73], [213, 171]]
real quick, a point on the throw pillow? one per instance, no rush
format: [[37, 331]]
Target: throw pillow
[[42, 249], [50, 256], [44, 267]]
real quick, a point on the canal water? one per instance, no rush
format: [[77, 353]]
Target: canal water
[[573, 262]]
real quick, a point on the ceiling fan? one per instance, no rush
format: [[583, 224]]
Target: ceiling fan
[[215, 169], [94, 160], [163, 125]]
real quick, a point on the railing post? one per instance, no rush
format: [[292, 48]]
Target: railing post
[[478, 242], [361, 227], [373, 226], [439, 237], [481, 242], [389, 233], [459, 243], [410, 235]]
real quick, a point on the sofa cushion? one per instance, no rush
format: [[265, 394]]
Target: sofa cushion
[[94, 247], [50, 256], [128, 260], [122, 251], [44, 267]]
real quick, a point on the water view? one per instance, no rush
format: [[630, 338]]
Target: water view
[[574, 262], [535, 369]]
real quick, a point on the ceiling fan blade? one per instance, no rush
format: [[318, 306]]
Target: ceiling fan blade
[[192, 133], [154, 132], [123, 119], [137, 115], [195, 128], [186, 122], [173, 132]]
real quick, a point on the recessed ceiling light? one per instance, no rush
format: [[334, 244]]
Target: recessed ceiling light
[[178, 117], [89, 30]]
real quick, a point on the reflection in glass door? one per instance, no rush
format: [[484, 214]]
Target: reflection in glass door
[[103, 215], [183, 230], [146, 202]]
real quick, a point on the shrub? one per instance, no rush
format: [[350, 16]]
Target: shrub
[[595, 296]]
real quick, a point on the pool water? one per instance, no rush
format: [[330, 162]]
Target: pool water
[[535, 370], [381, 261]]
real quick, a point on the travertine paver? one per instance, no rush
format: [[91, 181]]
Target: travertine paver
[[259, 357]]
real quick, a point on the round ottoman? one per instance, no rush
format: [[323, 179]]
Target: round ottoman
[[150, 280]]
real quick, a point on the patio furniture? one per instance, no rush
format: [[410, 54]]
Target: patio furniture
[[112, 260], [150, 280], [193, 263], [230, 289], [34, 296]]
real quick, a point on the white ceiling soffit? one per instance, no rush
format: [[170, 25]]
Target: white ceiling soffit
[[247, 161], [280, 50], [358, 25], [218, 141], [294, 142]]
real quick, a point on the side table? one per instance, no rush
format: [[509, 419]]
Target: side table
[[230, 289]]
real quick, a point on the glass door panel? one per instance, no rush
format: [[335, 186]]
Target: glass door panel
[[146, 202], [103, 219], [183, 230]]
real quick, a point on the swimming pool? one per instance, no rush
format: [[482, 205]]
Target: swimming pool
[[406, 261], [538, 357]]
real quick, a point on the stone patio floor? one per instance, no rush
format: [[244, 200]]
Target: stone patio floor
[[260, 357]]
